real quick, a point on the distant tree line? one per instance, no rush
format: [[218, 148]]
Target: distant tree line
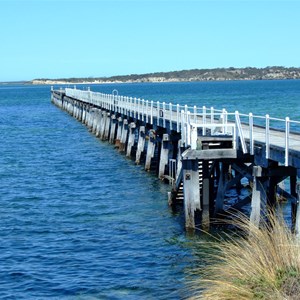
[[248, 73]]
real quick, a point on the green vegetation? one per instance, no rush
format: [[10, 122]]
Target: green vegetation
[[263, 264], [191, 75]]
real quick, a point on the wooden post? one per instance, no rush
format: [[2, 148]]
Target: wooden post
[[75, 111], [113, 123], [131, 138], [164, 155], [141, 145], [297, 224], [259, 197], [119, 132], [66, 102], [179, 161], [103, 124], [88, 116], [74, 107], [80, 115], [83, 113], [205, 195], [79, 111], [99, 123], [91, 117], [191, 191], [150, 150], [70, 108], [294, 206], [95, 120], [124, 135], [219, 205], [107, 127]]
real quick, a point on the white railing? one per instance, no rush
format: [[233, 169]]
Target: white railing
[[270, 131], [245, 129]]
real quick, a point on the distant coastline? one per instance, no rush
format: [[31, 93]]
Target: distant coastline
[[217, 74]]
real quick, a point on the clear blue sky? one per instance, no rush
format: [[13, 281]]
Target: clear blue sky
[[82, 38]]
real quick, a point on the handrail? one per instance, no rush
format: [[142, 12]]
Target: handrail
[[181, 117], [240, 131]]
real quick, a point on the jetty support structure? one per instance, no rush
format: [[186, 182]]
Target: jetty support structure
[[202, 152]]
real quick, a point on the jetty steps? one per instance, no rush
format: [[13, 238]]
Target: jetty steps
[[202, 152]]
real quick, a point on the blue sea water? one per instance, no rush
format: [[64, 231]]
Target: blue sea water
[[80, 221]]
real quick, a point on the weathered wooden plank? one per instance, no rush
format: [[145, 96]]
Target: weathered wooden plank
[[191, 191], [164, 155], [141, 144], [150, 153], [131, 136], [259, 196], [209, 154]]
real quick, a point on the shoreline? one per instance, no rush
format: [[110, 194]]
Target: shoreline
[[57, 82]]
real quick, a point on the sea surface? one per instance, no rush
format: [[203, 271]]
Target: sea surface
[[80, 221]]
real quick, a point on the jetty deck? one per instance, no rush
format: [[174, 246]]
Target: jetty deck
[[201, 151]]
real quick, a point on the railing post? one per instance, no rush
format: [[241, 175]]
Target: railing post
[[287, 137], [125, 110], [177, 112], [119, 104], [203, 120], [188, 128], [143, 110], [236, 128], [164, 114], [122, 105], [138, 108], [171, 116], [113, 106], [234, 138], [130, 106], [194, 137], [182, 127], [195, 114], [251, 136], [267, 136], [147, 113], [224, 120], [240, 133], [212, 115], [157, 111], [135, 110], [151, 112], [185, 109], [126, 105]]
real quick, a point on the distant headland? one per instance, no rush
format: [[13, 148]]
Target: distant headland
[[217, 74]]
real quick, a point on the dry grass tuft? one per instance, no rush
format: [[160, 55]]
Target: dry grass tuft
[[262, 264]]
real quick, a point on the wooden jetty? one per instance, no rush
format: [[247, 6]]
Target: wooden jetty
[[201, 151]]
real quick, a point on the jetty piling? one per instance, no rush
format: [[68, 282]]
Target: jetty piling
[[201, 151]]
